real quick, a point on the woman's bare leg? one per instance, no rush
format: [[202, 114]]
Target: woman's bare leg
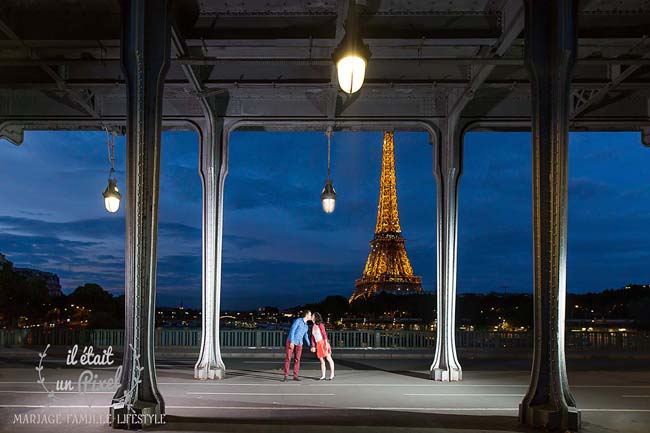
[[322, 367], [331, 363]]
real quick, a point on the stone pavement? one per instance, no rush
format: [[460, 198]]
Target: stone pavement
[[389, 395]]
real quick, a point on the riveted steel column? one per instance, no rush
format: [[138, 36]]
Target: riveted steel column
[[550, 55], [145, 58], [447, 163], [213, 155]]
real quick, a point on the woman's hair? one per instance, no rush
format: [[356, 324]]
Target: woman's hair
[[318, 319]]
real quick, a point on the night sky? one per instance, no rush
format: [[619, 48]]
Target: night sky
[[281, 249]]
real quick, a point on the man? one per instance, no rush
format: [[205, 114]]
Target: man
[[297, 334]]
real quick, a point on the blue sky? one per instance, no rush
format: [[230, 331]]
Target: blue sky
[[281, 249]]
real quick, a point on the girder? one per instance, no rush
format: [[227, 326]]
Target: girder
[[62, 60]]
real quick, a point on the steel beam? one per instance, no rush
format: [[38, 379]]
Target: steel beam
[[550, 55], [74, 95], [447, 169], [645, 136], [145, 60], [321, 61], [513, 13], [448, 162], [582, 103], [619, 75], [319, 84], [213, 168]]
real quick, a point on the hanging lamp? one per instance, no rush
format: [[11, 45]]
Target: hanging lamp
[[352, 54], [111, 194], [328, 195]]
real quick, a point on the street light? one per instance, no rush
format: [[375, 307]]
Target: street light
[[351, 56], [111, 194], [328, 195]]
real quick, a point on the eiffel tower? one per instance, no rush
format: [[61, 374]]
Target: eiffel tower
[[388, 268]]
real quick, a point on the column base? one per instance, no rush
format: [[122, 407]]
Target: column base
[[549, 418], [446, 375], [139, 415], [209, 372]]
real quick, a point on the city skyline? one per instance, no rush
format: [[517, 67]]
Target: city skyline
[[275, 230]]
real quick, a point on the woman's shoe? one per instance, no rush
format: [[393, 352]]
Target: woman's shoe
[[322, 378], [331, 378]]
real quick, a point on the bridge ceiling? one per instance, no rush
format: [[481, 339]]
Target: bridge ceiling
[[272, 58]]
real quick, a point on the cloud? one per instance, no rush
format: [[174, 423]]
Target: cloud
[[90, 228], [43, 247], [284, 283], [242, 242], [268, 282], [75, 262], [587, 189], [280, 248], [188, 190], [77, 250], [248, 193]]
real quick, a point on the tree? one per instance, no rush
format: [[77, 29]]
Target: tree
[[92, 296], [22, 296], [335, 306]]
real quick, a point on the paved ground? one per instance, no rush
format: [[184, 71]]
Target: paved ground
[[367, 395]]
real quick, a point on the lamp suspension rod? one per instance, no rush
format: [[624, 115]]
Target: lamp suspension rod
[[328, 132], [110, 145]]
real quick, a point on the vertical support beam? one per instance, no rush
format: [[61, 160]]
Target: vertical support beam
[[213, 167], [145, 60], [213, 160], [550, 55], [447, 163]]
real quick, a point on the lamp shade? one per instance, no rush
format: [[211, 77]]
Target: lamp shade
[[351, 57], [328, 197], [112, 196], [351, 71]]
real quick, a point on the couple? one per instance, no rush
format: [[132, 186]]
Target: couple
[[318, 342]]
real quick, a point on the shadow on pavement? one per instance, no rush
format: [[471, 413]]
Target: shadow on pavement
[[355, 365], [336, 420]]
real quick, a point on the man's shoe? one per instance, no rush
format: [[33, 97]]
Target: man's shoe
[[297, 379]]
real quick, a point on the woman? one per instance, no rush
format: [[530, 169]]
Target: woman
[[321, 345]]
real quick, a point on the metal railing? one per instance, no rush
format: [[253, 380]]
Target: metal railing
[[351, 339]]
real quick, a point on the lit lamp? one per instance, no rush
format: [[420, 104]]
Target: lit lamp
[[352, 55], [328, 195], [111, 194]]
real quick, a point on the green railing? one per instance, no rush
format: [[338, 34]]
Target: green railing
[[359, 339]]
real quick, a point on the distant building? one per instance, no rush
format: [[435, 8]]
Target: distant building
[[51, 280]]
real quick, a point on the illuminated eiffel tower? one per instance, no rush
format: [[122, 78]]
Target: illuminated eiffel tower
[[388, 268]]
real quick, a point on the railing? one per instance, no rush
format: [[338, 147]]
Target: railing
[[352, 339]]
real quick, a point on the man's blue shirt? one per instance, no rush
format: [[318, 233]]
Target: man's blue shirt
[[298, 332]]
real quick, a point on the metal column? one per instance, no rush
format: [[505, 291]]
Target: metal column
[[145, 59], [447, 163], [213, 155], [550, 55]]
